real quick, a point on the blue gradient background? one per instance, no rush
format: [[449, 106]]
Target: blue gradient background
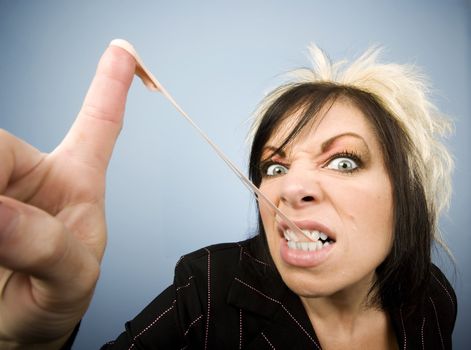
[[168, 193]]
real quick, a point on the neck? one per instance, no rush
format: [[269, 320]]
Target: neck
[[342, 308], [350, 319]]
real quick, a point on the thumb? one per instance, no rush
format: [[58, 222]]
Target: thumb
[[93, 134]]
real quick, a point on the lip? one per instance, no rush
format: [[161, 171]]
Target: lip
[[301, 258]]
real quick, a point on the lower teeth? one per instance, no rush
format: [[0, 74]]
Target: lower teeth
[[307, 246]]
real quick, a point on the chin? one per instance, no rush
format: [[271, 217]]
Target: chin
[[311, 292], [304, 286]]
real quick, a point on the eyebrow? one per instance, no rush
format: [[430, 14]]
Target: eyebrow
[[328, 143], [274, 150], [324, 146]]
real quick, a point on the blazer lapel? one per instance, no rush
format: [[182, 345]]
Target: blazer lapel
[[276, 313]]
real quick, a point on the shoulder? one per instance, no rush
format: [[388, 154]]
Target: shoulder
[[232, 256], [221, 263], [439, 310], [213, 255], [218, 251], [442, 299], [430, 323]]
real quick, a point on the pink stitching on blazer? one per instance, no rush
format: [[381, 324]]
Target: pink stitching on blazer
[[269, 343], [256, 290], [299, 325], [254, 258], [438, 323], [185, 285], [240, 329], [151, 325], [444, 288], [192, 323], [403, 329], [284, 308], [242, 251], [422, 333], [209, 300]]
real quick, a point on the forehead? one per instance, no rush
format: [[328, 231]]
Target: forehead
[[339, 117]]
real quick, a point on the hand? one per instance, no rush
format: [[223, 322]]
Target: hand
[[52, 217]]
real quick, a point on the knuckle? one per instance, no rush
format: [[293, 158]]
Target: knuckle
[[99, 114], [5, 140], [4, 134], [51, 244], [90, 275], [86, 273]]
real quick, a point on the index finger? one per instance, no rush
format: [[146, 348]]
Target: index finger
[[93, 134]]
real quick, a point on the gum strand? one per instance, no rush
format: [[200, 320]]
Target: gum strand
[[151, 82]]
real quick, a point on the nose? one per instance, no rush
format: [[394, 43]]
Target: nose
[[300, 188]]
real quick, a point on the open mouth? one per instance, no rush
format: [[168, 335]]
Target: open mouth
[[317, 240]]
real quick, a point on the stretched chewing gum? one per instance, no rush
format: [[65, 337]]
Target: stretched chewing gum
[[141, 71], [151, 82]]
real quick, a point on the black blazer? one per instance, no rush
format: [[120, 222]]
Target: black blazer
[[225, 297]]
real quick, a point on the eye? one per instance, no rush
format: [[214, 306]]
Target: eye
[[276, 170], [344, 163]]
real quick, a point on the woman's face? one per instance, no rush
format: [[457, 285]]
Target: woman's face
[[330, 181]]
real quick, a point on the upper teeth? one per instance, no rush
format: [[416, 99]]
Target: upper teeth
[[315, 242], [313, 235]]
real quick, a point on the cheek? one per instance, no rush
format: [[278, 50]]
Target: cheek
[[269, 189], [266, 216], [371, 205], [366, 208], [374, 213]]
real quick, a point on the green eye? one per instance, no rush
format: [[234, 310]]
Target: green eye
[[343, 164], [276, 170]]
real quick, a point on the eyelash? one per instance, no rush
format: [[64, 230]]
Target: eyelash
[[345, 154], [267, 163]]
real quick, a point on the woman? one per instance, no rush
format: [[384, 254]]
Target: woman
[[352, 156]]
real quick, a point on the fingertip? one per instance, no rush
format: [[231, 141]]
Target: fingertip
[[140, 70], [124, 44], [117, 63]]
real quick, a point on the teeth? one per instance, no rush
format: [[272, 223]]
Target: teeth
[[291, 236], [307, 246], [307, 233], [313, 235]]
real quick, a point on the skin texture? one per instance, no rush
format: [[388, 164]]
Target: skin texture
[[52, 221], [355, 208]]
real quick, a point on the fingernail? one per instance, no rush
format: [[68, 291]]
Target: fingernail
[[8, 218]]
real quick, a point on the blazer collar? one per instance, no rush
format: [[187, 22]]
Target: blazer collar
[[256, 287]]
